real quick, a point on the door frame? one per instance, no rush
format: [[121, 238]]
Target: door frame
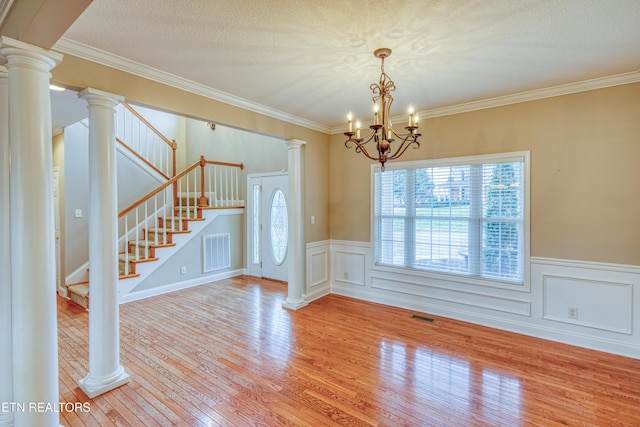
[[60, 284], [252, 269]]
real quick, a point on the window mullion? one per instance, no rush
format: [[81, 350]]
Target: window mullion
[[475, 223], [410, 215]]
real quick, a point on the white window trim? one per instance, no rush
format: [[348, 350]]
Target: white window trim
[[517, 156]]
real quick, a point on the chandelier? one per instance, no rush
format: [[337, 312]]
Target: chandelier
[[382, 133]]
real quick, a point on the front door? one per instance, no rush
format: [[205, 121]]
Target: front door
[[267, 226]]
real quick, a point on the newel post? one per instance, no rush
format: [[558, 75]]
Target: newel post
[[203, 200]]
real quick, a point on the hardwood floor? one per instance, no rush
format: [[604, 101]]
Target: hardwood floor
[[228, 354]]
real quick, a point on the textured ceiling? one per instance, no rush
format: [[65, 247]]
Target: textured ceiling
[[313, 59]]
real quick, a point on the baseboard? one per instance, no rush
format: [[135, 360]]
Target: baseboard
[[317, 293], [161, 290], [79, 275]]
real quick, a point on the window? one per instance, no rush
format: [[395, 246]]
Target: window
[[279, 227], [465, 216]]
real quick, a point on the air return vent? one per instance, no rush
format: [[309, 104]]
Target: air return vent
[[216, 252]]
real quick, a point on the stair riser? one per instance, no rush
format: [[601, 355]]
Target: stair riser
[[174, 224], [158, 238], [140, 254]]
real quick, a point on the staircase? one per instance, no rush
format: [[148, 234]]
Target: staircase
[[149, 227]]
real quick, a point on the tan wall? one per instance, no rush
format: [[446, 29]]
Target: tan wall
[[75, 73], [585, 170]]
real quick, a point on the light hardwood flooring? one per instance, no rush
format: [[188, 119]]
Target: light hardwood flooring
[[228, 354]]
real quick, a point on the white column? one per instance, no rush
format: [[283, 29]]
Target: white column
[[33, 282], [295, 298], [6, 376], [105, 371]]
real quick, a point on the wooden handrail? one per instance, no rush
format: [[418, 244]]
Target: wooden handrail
[[171, 144], [157, 190], [173, 181], [142, 159], [235, 165]]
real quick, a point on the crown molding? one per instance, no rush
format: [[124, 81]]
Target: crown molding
[[532, 95], [5, 7], [101, 57], [83, 51]]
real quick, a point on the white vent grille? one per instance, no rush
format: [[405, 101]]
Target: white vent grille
[[216, 252]]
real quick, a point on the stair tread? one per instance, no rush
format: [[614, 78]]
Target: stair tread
[[143, 243], [81, 289], [132, 258], [167, 230]]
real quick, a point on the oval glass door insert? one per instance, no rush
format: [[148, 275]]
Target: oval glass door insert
[[279, 227]]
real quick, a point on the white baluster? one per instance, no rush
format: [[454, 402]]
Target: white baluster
[[146, 230], [195, 193], [126, 245], [226, 182], [209, 185], [237, 203], [137, 234]]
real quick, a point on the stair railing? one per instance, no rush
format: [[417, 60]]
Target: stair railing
[[145, 142], [152, 221]]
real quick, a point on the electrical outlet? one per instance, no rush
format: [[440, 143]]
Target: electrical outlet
[[183, 269], [77, 213], [573, 312]]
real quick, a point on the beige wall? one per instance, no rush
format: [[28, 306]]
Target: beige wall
[[585, 170], [76, 73]]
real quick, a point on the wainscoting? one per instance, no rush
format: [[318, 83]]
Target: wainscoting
[[317, 260], [585, 304]]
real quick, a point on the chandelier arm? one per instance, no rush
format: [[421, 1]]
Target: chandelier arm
[[404, 146], [360, 148]]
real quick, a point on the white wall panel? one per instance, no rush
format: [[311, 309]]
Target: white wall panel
[[317, 260], [590, 303]]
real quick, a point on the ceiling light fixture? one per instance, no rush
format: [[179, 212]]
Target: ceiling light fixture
[[382, 132]]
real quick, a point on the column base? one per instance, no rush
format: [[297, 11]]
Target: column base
[[295, 304], [93, 387]]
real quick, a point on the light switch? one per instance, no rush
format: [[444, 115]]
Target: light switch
[[78, 213], [313, 219]]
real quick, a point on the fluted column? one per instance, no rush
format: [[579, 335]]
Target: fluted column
[[6, 376], [33, 281], [295, 298], [105, 371]]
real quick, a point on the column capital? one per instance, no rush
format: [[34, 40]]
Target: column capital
[[96, 96], [14, 52], [294, 143]]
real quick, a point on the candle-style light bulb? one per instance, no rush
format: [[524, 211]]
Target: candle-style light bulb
[[349, 118], [357, 130], [415, 120], [375, 113], [411, 115]]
